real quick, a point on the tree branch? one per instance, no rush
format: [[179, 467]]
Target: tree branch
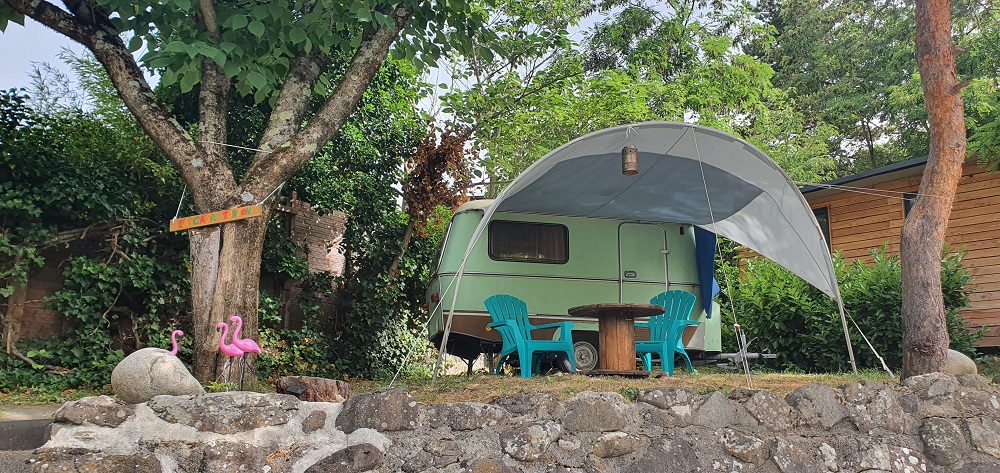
[[267, 171], [293, 100], [202, 172]]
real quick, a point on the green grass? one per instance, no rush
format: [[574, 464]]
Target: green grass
[[481, 387], [32, 396]]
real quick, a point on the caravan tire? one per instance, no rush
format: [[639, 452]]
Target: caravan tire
[[586, 356]]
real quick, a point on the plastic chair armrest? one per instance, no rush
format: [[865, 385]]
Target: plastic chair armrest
[[502, 323], [551, 325]]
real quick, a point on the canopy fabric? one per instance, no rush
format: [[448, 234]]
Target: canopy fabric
[[687, 174]]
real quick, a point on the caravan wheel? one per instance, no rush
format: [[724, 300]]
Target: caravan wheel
[[586, 356]]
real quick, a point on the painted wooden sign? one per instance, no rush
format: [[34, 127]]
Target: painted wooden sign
[[215, 218]]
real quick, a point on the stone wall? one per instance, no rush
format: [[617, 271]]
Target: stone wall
[[932, 423]]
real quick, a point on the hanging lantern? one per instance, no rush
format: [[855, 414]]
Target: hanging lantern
[[630, 160]]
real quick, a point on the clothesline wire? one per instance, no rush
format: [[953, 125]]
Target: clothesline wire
[[903, 195]]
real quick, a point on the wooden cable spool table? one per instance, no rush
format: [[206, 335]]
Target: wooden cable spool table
[[617, 334]]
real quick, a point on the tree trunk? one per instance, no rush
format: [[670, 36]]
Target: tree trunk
[[204, 250], [925, 334], [237, 284]]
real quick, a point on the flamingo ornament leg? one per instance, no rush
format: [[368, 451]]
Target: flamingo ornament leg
[[245, 344], [227, 349]]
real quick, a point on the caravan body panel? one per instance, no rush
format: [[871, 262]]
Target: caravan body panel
[[554, 263]]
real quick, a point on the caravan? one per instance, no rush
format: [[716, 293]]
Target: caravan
[[554, 263]]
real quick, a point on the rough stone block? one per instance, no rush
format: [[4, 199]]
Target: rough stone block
[[225, 413], [385, 411], [873, 406], [594, 412], [98, 410], [818, 405], [718, 411], [465, 415], [887, 458], [353, 459], [616, 444], [944, 443], [771, 411], [528, 443], [312, 389], [673, 455], [985, 435], [538, 405], [745, 447]]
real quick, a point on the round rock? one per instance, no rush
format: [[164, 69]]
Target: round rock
[[152, 372]]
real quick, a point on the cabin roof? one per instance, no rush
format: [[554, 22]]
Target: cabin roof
[[885, 173]]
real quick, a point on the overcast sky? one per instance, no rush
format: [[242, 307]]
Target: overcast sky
[[22, 45]]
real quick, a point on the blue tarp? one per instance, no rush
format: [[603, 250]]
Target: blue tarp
[[704, 254]]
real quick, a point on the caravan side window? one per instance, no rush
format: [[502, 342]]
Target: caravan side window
[[528, 242]]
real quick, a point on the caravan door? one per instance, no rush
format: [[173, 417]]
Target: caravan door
[[642, 257]]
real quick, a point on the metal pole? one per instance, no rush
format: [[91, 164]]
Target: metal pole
[[847, 335]]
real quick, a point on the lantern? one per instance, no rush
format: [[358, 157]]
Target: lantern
[[630, 160]]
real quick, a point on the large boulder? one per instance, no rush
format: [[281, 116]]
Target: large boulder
[[151, 372], [958, 363]]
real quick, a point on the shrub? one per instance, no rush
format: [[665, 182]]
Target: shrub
[[788, 317]]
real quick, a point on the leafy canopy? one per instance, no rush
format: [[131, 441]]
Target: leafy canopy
[[256, 40]]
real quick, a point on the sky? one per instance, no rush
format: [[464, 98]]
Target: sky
[[22, 45]]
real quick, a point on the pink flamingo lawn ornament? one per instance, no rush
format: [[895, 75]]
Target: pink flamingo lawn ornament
[[245, 344], [173, 339], [228, 349]]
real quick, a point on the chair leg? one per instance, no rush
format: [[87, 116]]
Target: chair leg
[[687, 361], [668, 363], [500, 360], [647, 361], [526, 365]]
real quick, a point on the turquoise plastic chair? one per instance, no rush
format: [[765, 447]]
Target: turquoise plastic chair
[[510, 318], [665, 330]]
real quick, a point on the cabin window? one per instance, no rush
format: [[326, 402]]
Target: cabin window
[[528, 242], [908, 201], [823, 219]]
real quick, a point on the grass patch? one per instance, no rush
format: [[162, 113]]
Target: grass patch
[[32, 396], [481, 387]]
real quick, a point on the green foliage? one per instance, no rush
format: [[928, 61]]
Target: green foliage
[[852, 65], [257, 41], [61, 173], [305, 351], [785, 315]]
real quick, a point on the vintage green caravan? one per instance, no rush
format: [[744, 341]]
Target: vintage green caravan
[[554, 263], [621, 215]]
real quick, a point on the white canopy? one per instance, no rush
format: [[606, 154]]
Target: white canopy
[[687, 174]]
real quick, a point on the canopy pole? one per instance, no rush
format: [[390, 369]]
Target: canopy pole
[[740, 337], [847, 335], [443, 350]]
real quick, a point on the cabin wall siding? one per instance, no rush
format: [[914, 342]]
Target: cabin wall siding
[[860, 223]]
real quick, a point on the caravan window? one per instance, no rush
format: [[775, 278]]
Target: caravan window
[[528, 242]]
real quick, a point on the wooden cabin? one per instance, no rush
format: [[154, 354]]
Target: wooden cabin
[[863, 211]]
